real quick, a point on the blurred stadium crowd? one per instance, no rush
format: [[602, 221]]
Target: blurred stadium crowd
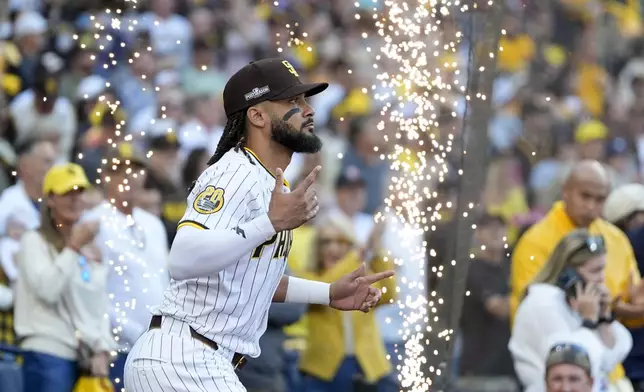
[[568, 95]]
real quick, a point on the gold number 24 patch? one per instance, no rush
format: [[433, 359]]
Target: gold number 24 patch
[[209, 201]]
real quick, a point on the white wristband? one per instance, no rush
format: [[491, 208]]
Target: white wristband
[[305, 291]]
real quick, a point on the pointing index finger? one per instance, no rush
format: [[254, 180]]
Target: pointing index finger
[[309, 180], [373, 278]]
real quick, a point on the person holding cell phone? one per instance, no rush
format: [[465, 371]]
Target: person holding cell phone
[[568, 298], [61, 296]]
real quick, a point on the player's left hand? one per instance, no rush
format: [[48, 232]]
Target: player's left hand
[[354, 292]]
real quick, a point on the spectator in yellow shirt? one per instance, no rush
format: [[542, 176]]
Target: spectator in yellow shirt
[[341, 348], [516, 49], [592, 81], [584, 193], [504, 195]]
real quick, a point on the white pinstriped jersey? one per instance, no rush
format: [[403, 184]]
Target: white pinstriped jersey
[[231, 308]]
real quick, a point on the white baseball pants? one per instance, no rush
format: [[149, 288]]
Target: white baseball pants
[[168, 359]]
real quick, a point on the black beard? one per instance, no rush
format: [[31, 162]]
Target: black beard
[[297, 141]]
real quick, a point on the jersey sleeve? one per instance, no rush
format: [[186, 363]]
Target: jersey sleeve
[[220, 197], [220, 204]]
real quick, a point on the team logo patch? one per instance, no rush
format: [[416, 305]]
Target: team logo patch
[[209, 201], [257, 92]]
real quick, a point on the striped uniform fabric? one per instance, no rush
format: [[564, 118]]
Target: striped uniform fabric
[[230, 308]]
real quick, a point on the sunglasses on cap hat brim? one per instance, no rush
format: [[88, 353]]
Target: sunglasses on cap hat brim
[[594, 244]]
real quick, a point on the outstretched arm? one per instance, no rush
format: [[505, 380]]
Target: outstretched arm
[[298, 290], [351, 292]]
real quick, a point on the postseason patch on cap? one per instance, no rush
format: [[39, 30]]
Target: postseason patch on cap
[[257, 92]]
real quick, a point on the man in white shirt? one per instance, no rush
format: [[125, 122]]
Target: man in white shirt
[[351, 198], [35, 157], [19, 212], [204, 128], [30, 36], [170, 32], [40, 112], [133, 244]]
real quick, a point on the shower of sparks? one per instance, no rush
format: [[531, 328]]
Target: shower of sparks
[[104, 24], [289, 37], [418, 81]]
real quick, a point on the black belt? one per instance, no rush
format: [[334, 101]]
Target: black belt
[[238, 361]]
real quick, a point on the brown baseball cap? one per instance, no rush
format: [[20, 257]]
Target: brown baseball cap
[[271, 79]]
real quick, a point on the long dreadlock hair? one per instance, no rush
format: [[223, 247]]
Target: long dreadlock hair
[[234, 136]]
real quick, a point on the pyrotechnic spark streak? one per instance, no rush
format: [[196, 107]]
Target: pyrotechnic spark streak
[[419, 85], [104, 24], [417, 81]]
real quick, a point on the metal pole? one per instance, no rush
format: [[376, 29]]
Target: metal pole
[[487, 27]]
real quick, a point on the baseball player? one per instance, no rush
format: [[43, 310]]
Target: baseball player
[[227, 261]]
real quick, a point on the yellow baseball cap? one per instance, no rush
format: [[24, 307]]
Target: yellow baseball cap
[[590, 131], [65, 178], [555, 55]]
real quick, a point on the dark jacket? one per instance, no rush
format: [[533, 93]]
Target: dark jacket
[[267, 371], [634, 363]]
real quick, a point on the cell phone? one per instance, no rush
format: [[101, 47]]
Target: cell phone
[[568, 280]]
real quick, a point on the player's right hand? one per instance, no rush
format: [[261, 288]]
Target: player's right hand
[[82, 234], [290, 210]]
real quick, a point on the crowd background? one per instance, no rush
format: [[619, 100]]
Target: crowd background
[[569, 87]]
